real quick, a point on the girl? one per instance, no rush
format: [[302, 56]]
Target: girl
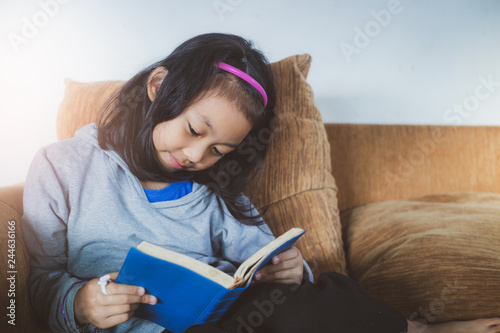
[[167, 163]]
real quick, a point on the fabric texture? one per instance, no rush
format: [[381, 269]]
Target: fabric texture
[[14, 286], [375, 163], [83, 210], [334, 304], [434, 258], [81, 104], [296, 186]]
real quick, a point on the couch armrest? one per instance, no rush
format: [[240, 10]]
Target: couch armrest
[[14, 279], [13, 197], [373, 163]]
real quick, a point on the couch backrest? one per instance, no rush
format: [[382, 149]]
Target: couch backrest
[[372, 163]]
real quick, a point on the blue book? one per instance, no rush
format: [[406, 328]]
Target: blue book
[[189, 291]]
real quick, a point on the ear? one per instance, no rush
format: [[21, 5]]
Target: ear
[[155, 80]]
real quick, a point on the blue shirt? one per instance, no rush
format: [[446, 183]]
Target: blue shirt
[[173, 191]]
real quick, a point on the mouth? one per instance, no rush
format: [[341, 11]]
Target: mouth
[[176, 164]]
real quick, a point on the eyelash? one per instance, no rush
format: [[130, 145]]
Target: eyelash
[[193, 132], [218, 153]]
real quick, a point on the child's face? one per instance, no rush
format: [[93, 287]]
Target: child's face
[[188, 143]]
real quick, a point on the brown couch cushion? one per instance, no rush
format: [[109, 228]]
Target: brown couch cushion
[[297, 184], [434, 258], [375, 163], [15, 263], [81, 104]]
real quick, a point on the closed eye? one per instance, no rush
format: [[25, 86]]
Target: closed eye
[[193, 131], [217, 152]]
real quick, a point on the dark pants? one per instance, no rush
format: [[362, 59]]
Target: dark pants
[[335, 303]]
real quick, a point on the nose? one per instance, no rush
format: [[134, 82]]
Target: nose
[[194, 154]]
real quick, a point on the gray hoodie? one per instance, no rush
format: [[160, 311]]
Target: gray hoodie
[[83, 210]]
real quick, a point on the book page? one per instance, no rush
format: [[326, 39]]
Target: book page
[[183, 260]]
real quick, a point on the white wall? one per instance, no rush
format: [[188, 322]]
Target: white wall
[[374, 61]]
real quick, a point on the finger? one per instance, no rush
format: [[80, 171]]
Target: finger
[[286, 274], [284, 265], [122, 288], [292, 253], [129, 299], [284, 280], [288, 280], [287, 270], [288, 266], [115, 310], [116, 319], [99, 315], [114, 288]]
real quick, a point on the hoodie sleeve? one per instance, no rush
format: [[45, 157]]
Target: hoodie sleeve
[[44, 223]]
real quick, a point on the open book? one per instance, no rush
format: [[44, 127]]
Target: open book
[[189, 291]]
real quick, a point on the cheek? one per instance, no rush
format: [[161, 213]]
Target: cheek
[[166, 138], [207, 162]]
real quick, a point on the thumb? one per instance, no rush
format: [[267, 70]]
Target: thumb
[[113, 276]]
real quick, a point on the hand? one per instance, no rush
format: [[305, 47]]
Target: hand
[[103, 311], [287, 267]]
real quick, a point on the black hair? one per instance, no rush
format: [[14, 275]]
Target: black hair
[[127, 121]]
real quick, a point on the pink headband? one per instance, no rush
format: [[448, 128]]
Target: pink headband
[[244, 76]]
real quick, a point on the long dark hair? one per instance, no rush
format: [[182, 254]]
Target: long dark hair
[[127, 121]]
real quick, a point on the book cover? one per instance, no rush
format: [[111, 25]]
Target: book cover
[[190, 292]]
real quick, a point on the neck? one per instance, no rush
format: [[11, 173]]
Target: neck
[[152, 185]]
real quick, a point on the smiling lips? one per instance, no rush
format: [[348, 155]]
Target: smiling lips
[[176, 163]]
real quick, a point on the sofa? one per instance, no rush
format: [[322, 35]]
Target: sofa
[[411, 212]]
